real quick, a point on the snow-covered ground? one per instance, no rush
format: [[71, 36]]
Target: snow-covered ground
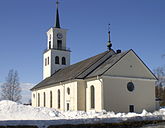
[[17, 114]]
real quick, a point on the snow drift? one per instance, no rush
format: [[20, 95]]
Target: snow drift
[[10, 111]]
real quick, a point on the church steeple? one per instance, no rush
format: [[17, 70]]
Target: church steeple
[[57, 55], [109, 44], [57, 16]]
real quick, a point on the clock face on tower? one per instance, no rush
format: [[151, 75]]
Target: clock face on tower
[[59, 35]]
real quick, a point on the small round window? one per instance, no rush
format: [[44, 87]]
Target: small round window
[[68, 91], [130, 86]]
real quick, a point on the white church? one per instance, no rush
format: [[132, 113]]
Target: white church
[[113, 80]]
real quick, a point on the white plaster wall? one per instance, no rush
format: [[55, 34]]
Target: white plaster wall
[[52, 53], [65, 98], [81, 94], [34, 95], [72, 98], [53, 32], [47, 69], [117, 98], [60, 54], [98, 94], [52, 67], [130, 66]]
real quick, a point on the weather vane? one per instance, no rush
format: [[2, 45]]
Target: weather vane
[[57, 3], [109, 44], [109, 27]]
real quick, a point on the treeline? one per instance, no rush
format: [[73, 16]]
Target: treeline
[[160, 95], [160, 85]]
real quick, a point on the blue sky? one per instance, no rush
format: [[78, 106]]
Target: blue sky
[[135, 24]]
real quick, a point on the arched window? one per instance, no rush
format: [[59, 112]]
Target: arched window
[[38, 99], [63, 61], [50, 37], [44, 99], [68, 91], [58, 93], [57, 60], [50, 99], [33, 95], [48, 60], [92, 97], [49, 44]]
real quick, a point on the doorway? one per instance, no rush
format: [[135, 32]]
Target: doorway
[[131, 108]]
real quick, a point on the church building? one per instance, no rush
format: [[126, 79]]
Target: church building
[[112, 81]]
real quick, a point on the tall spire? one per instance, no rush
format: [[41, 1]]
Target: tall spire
[[109, 44], [57, 16]]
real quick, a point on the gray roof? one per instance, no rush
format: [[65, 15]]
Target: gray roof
[[94, 66]]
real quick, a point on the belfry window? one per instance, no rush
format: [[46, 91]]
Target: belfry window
[[92, 97], [50, 99], [49, 44], [48, 60], [57, 60], [58, 93], [63, 61], [59, 44]]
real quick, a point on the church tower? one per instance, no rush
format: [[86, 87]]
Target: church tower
[[56, 56]]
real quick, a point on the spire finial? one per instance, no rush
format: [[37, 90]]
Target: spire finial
[[57, 2], [57, 16], [109, 44]]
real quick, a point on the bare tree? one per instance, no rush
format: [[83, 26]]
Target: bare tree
[[160, 73], [159, 89], [11, 89]]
